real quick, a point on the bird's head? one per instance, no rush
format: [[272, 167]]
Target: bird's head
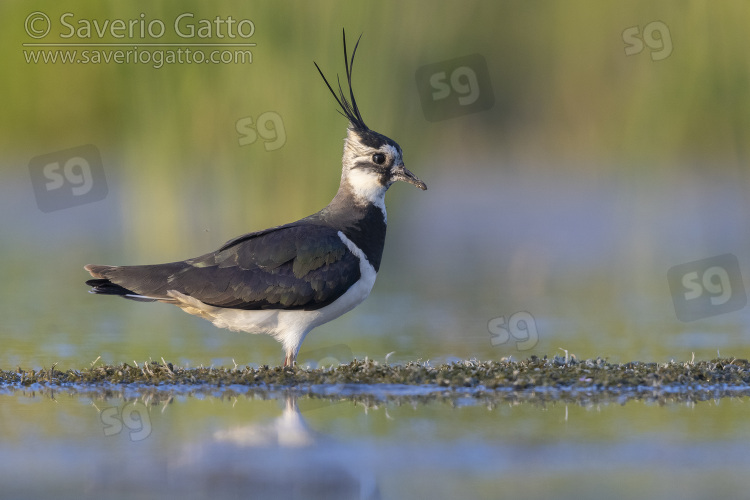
[[372, 162]]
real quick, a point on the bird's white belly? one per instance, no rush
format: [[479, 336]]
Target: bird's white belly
[[287, 326]]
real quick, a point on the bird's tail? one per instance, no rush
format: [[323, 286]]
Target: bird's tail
[[102, 285]]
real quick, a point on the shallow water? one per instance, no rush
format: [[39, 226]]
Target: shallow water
[[279, 445]]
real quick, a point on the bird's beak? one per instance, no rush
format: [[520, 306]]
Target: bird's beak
[[401, 173]]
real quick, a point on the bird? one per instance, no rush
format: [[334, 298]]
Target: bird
[[289, 279]]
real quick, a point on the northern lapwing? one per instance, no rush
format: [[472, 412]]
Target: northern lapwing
[[287, 280]]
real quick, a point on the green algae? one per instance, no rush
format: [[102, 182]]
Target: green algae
[[533, 373]]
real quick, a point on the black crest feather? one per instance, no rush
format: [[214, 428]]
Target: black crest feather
[[349, 108]]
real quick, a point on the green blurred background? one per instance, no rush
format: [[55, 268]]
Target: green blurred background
[[590, 176]]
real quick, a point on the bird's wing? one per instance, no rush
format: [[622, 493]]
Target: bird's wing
[[289, 267]]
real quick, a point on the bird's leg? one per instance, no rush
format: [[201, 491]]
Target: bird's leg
[[290, 360]]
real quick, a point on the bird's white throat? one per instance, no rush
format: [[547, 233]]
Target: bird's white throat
[[367, 188]]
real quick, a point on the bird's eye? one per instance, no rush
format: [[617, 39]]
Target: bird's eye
[[378, 158]]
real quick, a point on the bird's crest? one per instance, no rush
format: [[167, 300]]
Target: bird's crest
[[349, 108]]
